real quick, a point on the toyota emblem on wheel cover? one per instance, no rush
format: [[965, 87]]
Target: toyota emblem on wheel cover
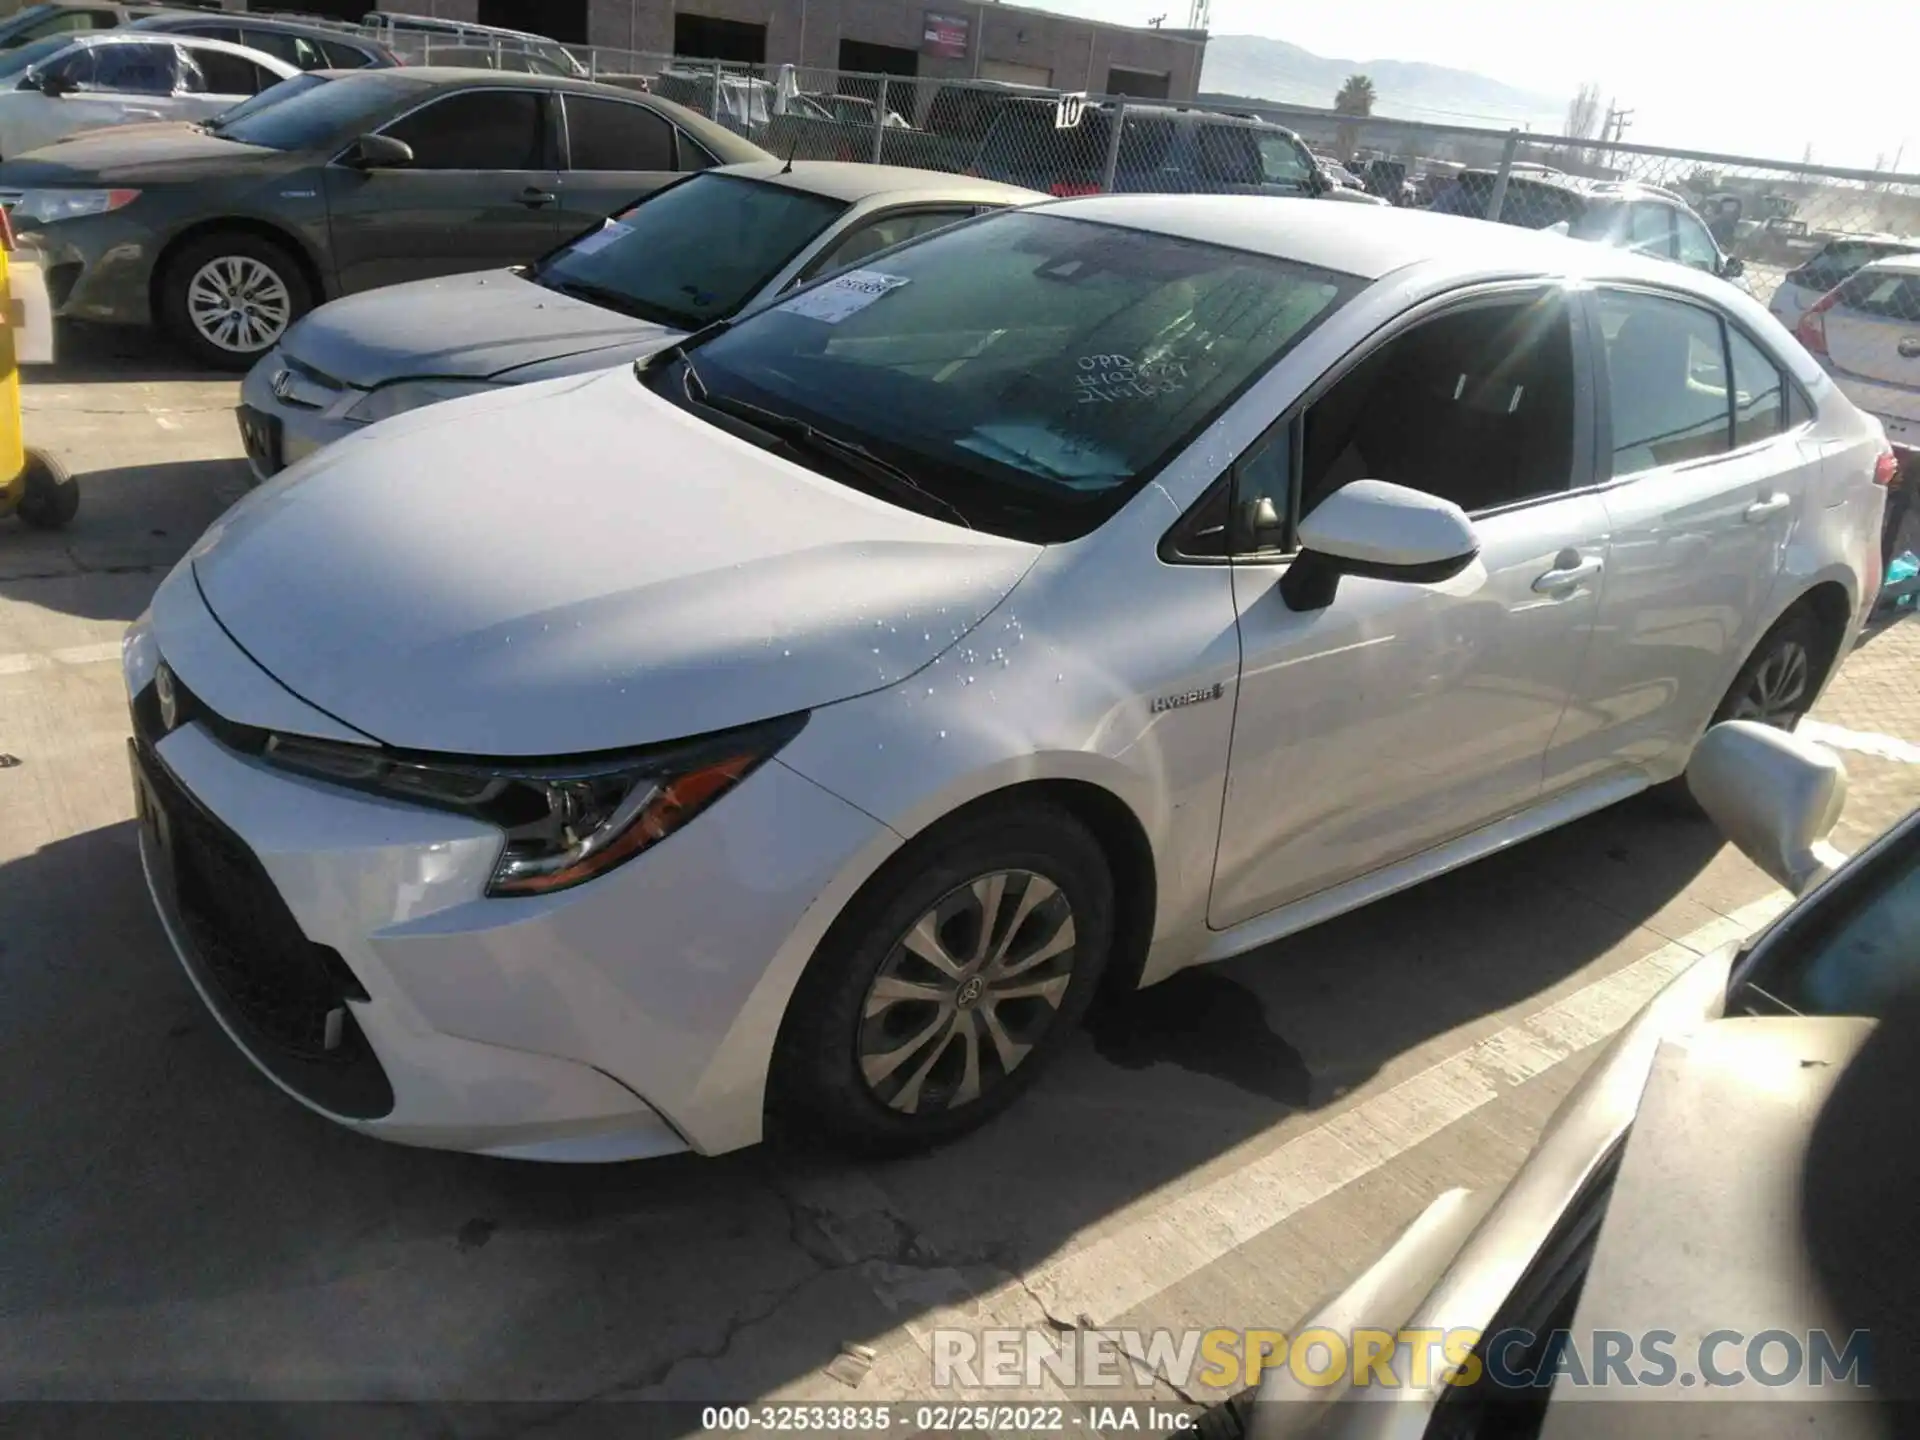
[[168, 697], [282, 383]]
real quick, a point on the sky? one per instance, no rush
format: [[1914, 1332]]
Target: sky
[[1748, 79]]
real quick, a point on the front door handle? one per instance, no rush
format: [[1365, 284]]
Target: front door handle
[[533, 197], [1772, 505], [1566, 576]]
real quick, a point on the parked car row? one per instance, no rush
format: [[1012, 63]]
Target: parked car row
[[830, 716]]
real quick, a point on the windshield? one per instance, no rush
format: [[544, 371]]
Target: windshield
[[318, 115], [272, 95], [1029, 371], [16, 62], [692, 253]]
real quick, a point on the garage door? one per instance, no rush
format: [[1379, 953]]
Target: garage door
[[1016, 74]]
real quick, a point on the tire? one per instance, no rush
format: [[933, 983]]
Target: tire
[[896, 1080], [52, 498], [265, 278], [1772, 687]]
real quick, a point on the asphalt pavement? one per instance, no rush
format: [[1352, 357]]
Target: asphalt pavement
[[1220, 1152]]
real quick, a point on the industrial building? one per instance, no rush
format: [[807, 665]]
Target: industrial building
[[940, 39]]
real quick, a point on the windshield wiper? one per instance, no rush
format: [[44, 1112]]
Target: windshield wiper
[[797, 434], [612, 299]]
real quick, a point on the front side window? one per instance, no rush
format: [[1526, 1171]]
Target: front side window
[[1852, 956], [476, 130], [341, 56], [1028, 371], [693, 252], [1759, 405], [1229, 155], [1475, 406], [284, 45], [147, 69], [613, 135], [1666, 380]]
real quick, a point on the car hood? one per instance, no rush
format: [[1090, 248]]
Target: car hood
[[135, 156], [481, 325], [578, 565]]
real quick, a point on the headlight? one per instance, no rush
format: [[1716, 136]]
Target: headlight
[[46, 206], [405, 395], [565, 823]]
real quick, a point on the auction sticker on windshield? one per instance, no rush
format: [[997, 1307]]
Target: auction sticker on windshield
[[843, 295], [611, 231]]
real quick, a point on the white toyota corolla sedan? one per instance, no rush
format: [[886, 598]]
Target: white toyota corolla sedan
[[807, 721]]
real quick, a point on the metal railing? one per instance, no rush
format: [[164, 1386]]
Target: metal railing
[[1773, 216]]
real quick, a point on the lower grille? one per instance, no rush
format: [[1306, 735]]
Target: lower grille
[[285, 993]]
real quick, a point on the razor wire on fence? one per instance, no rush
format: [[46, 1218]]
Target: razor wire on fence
[[1770, 218]]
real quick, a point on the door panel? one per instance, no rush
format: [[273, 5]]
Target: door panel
[[1697, 542], [1404, 715], [479, 194], [616, 152]]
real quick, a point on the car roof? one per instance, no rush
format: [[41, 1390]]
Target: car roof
[[852, 181], [125, 35], [165, 20], [1374, 241], [1908, 264], [727, 147]]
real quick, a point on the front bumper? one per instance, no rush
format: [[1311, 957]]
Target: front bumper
[[98, 268], [630, 1017], [277, 431]]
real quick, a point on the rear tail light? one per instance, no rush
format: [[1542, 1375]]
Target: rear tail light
[[1065, 189], [1812, 329], [1886, 467]]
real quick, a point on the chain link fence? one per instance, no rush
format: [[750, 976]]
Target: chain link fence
[[1793, 231]]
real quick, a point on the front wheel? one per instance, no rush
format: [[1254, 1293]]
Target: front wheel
[[52, 497], [949, 984], [228, 298]]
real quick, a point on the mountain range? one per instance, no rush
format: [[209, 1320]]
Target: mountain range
[[1259, 67]]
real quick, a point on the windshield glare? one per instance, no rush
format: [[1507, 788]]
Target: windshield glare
[[1031, 371], [694, 252], [317, 116]]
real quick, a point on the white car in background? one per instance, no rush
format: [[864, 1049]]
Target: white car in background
[[124, 78], [1833, 264], [1867, 334]]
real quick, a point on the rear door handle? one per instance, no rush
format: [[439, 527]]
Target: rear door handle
[[533, 197], [1772, 505], [1565, 577]]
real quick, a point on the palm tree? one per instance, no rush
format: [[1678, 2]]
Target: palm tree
[[1356, 97]]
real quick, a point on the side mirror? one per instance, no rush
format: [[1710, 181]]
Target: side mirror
[[1732, 266], [1380, 531], [381, 152], [1775, 796], [54, 85]]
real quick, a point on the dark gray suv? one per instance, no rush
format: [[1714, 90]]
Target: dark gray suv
[[227, 233]]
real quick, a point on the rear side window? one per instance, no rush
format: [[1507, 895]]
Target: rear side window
[[345, 57], [1026, 147], [1758, 392], [1666, 376], [215, 72], [476, 130], [282, 45], [1884, 294], [612, 135]]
